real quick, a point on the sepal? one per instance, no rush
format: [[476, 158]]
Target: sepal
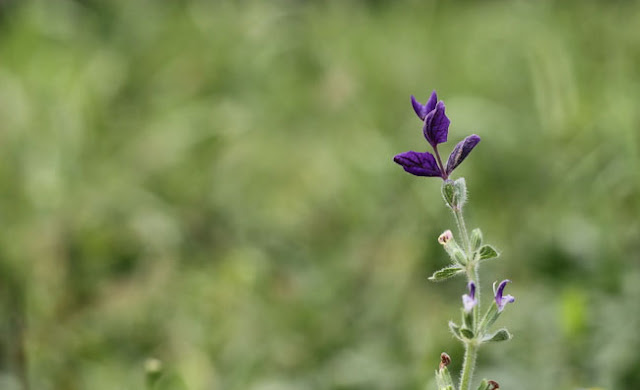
[[446, 273], [487, 252], [500, 335], [489, 318], [455, 193], [476, 239], [443, 378], [467, 333], [467, 319]]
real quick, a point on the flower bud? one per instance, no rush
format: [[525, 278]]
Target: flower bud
[[457, 255], [445, 237], [443, 378], [476, 239], [445, 360], [455, 193]]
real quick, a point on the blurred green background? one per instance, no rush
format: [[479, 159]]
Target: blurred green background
[[210, 183]]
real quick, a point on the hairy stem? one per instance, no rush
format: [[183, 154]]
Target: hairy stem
[[471, 351], [462, 227]]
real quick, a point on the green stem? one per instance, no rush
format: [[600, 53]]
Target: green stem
[[457, 212], [471, 351], [472, 268]]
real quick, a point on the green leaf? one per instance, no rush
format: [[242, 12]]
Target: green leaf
[[476, 239], [467, 333], [446, 273], [487, 252], [500, 335]]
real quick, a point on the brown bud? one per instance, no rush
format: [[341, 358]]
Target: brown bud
[[493, 385], [445, 360]]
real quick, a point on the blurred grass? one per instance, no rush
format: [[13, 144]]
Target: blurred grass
[[211, 184]]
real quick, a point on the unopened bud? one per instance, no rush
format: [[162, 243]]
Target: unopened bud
[[445, 237], [445, 360], [447, 240], [493, 385]]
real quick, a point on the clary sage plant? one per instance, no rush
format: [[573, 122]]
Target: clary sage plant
[[466, 254]]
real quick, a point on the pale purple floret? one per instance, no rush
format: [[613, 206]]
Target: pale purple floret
[[436, 131], [436, 125], [469, 301], [461, 151], [419, 164], [501, 300], [423, 110]]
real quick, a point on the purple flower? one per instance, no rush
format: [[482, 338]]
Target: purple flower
[[419, 164], [423, 110], [461, 151], [501, 300], [469, 300], [435, 131], [436, 125]]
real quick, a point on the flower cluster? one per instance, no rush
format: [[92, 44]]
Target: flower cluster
[[435, 130]]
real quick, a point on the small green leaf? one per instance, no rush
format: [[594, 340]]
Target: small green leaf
[[446, 273], [476, 239], [467, 333], [455, 329], [500, 335], [487, 252]]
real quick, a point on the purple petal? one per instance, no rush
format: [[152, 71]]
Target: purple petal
[[431, 103], [469, 300], [500, 300], [468, 303], [461, 151], [418, 108], [472, 289], [436, 125], [419, 164]]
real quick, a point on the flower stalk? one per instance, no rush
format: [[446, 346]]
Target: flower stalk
[[473, 331]]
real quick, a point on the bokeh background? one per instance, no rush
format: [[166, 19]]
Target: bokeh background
[[210, 183]]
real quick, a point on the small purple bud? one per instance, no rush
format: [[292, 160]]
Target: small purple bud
[[436, 125], [419, 164], [501, 300], [469, 301], [461, 151], [423, 110]]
